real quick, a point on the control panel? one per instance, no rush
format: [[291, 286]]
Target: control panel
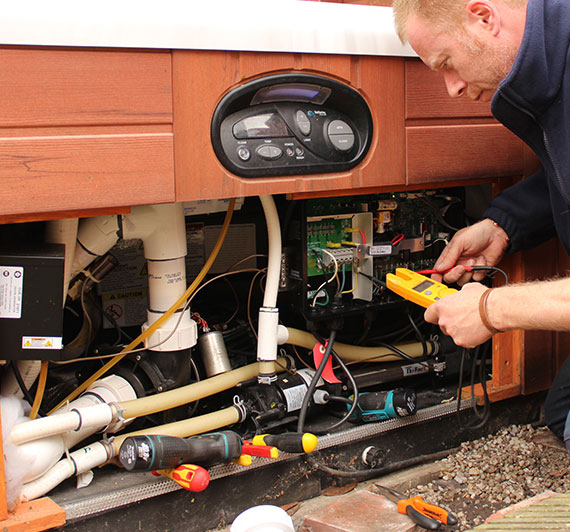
[[291, 124]]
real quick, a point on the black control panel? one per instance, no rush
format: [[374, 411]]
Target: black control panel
[[291, 124]]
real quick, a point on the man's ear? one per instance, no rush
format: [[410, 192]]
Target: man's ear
[[484, 14]]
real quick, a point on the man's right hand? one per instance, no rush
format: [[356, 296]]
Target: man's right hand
[[481, 244]]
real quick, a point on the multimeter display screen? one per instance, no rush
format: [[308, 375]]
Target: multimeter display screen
[[423, 285]]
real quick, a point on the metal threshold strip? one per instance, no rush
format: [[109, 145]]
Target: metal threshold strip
[[151, 486]]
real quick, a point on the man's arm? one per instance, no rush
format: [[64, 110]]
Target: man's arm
[[524, 211], [542, 305]]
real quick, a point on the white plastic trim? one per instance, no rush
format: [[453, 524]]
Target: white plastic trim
[[255, 25]]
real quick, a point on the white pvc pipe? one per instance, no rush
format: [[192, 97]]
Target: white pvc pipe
[[95, 237], [99, 453], [78, 462], [97, 417], [166, 285], [161, 228]]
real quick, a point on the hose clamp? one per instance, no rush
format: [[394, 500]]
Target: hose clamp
[[241, 407]]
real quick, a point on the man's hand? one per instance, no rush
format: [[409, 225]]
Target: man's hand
[[458, 316], [482, 244]]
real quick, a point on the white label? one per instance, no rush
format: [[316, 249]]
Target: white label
[[41, 342], [414, 369], [294, 397], [11, 291]]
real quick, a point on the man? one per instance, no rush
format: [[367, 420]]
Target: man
[[515, 53]]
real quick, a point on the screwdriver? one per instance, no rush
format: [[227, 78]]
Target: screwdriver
[[191, 477], [148, 452], [290, 442], [426, 515]]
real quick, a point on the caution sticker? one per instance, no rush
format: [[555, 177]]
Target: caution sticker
[[11, 291], [41, 342]]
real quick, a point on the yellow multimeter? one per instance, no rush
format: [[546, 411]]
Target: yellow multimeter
[[416, 287]]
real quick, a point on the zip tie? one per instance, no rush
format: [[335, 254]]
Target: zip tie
[[89, 275]]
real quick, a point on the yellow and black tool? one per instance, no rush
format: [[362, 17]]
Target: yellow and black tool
[[417, 288]]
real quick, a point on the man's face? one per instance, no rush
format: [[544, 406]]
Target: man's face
[[472, 65]]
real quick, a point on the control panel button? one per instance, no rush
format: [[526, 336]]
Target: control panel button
[[341, 135], [340, 127], [269, 152], [303, 122], [342, 142], [243, 153]]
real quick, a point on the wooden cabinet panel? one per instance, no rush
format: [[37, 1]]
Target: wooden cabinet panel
[[84, 129], [201, 78], [382, 84], [427, 97], [442, 153], [53, 87], [86, 169]]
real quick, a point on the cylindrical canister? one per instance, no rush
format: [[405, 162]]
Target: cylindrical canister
[[214, 353]]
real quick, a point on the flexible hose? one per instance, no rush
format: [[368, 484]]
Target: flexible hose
[[187, 427], [192, 392], [40, 390], [355, 353], [274, 251], [139, 339]]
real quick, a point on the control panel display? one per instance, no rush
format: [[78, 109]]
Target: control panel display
[[289, 126]]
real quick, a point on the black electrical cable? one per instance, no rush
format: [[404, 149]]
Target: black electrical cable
[[354, 402], [492, 269], [20, 381], [363, 474], [401, 353], [483, 415], [419, 336], [375, 280], [339, 398], [314, 381]]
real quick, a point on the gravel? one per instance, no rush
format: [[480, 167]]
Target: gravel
[[486, 475]]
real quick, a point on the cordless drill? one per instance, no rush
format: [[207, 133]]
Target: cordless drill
[[379, 406]]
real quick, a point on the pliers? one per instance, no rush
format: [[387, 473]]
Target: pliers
[[426, 515]]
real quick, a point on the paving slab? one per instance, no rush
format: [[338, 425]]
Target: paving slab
[[359, 511]]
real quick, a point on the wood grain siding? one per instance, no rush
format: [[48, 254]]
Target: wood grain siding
[[449, 139], [52, 87], [427, 97], [205, 76], [442, 153], [87, 169], [84, 129]]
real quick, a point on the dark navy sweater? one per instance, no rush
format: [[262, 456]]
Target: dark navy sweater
[[533, 101]]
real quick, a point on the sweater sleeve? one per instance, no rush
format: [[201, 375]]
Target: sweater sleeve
[[524, 211]]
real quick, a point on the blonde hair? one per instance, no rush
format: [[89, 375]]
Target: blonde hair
[[448, 14]]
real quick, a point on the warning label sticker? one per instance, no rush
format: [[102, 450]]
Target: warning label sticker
[[41, 342], [11, 290]]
